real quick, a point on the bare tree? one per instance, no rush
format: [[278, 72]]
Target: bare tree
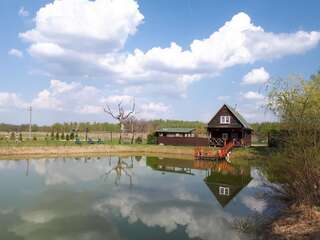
[[120, 115]]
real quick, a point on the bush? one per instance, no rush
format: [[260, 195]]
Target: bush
[[71, 135], [57, 136], [34, 138], [12, 136], [152, 139], [138, 140], [67, 137], [20, 137]]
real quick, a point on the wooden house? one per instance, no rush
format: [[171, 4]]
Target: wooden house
[[228, 125]]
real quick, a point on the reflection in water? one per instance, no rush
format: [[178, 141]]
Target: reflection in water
[[64, 198], [223, 179], [121, 168]]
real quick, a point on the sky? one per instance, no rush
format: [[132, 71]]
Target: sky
[[178, 59]]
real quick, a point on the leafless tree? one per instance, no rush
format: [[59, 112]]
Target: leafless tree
[[120, 115]]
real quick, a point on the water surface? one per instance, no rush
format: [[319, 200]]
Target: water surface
[[126, 198]]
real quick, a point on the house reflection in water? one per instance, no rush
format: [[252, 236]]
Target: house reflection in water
[[223, 179], [226, 181]]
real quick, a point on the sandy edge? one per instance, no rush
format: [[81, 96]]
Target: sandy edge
[[37, 152]]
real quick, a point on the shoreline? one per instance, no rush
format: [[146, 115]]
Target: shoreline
[[94, 150]]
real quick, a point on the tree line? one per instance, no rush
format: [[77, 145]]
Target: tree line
[[143, 126]]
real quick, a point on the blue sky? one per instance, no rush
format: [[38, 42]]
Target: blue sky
[[177, 59]]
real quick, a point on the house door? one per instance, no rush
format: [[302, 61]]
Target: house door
[[225, 136], [234, 135]]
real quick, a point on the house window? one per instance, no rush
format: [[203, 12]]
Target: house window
[[225, 119], [224, 191]]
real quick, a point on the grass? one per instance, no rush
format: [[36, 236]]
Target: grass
[[11, 149]]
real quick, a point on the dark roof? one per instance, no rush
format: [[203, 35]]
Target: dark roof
[[239, 117], [175, 130]]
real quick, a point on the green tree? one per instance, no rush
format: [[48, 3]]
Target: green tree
[[57, 136], [296, 102], [72, 135], [20, 137], [52, 134]]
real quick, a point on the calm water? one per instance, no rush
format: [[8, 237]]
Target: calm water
[[126, 198]]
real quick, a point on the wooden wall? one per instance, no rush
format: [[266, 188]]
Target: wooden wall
[[183, 141], [224, 111]]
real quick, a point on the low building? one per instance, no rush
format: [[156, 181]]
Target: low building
[[228, 125], [175, 132], [180, 137]]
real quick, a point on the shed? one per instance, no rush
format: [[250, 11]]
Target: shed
[[180, 137], [175, 132]]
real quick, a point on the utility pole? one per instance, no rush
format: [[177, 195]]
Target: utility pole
[[30, 122]]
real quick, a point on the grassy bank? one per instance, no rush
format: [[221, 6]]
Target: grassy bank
[[58, 148], [75, 150]]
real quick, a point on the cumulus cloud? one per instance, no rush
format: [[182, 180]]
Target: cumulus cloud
[[223, 98], [87, 38], [85, 25], [251, 95], [256, 76], [11, 100], [255, 204], [77, 98], [15, 52], [23, 12]]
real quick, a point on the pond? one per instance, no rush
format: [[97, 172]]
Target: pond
[[127, 198]]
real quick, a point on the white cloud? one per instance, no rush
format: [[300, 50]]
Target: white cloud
[[86, 37], [82, 99], [256, 76], [154, 110], [47, 100], [23, 12], [223, 98], [11, 100], [253, 96], [15, 52], [84, 25], [255, 204]]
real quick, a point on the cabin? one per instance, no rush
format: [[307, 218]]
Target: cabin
[[179, 137], [228, 125]]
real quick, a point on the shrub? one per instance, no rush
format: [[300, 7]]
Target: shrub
[[138, 140], [57, 136], [152, 139], [67, 137], [72, 136], [12, 136], [20, 137]]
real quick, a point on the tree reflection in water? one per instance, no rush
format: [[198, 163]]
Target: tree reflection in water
[[122, 168]]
